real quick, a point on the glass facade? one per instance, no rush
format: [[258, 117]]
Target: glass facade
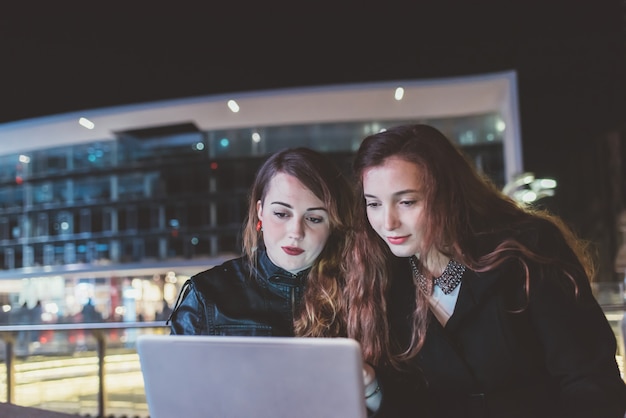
[[171, 188]]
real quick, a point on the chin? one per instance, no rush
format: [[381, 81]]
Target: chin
[[400, 253], [293, 268]]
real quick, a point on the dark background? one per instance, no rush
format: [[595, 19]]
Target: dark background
[[569, 57]]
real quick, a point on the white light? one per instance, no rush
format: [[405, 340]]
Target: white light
[[525, 188], [547, 183], [528, 178], [86, 123], [399, 93], [24, 159], [500, 126], [52, 308], [529, 196], [233, 106], [256, 137]]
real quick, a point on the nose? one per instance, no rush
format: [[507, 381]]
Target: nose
[[296, 229], [391, 219]]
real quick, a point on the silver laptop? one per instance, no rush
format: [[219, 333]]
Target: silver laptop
[[251, 377]]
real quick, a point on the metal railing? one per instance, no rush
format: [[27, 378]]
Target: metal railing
[[12, 334]]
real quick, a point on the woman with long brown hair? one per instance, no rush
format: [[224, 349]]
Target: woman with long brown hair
[[486, 304], [288, 281]]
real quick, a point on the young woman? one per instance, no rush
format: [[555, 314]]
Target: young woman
[[486, 302], [288, 282]]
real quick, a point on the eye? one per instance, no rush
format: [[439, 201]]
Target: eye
[[315, 219], [372, 204], [280, 215], [407, 202]]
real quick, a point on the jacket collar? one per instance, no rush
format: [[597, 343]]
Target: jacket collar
[[270, 272]]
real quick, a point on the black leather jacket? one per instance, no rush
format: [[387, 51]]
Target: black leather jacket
[[228, 300]]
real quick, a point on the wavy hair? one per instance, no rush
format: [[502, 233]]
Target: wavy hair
[[468, 219], [321, 312]]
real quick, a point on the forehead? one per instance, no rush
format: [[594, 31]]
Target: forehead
[[393, 172], [285, 187]]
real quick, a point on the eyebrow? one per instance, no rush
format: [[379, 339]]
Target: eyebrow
[[398, 193], [287, 205]]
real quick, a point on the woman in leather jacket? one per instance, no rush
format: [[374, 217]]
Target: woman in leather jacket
[[289, 282], [485, 301]]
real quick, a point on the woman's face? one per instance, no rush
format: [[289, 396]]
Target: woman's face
[[394, 201], [295, 223]]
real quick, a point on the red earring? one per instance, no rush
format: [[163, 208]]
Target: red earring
[[259, 226]]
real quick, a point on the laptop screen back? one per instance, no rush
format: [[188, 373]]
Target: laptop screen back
[[260, 377]]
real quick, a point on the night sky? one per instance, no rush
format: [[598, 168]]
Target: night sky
[[569, 55]]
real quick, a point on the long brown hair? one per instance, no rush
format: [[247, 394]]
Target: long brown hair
[[322, 307], [468, 219]]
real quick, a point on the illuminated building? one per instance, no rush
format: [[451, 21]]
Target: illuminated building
[[123, 204]]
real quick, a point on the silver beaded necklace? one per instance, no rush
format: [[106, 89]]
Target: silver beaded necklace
[[448, 281]]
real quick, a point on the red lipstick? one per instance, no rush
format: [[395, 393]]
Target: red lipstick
[[292, 250]]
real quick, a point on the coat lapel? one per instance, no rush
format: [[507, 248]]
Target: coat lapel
[[475, 288]]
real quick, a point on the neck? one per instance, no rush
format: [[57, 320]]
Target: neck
[[435, 263]]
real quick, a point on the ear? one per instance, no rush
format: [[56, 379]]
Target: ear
[[259, 210]]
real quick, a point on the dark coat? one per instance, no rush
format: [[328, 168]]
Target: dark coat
[[229, 300], [502, 354]]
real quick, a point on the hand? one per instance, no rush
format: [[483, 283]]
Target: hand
[[373, 395], [369, 375]]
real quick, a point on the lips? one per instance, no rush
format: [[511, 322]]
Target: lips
[[397, 240], [292, 250]]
